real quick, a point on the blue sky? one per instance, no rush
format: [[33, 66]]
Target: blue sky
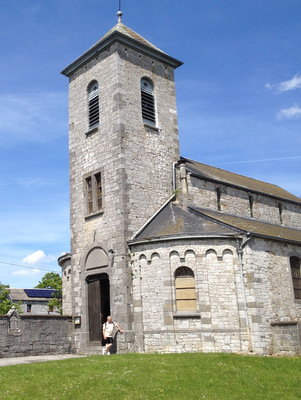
[[238, 97]]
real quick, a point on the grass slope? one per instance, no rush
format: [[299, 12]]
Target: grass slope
[[155, 376]]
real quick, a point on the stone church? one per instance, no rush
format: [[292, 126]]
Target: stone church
[[185, 256]]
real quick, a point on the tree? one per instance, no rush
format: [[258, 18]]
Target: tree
[[5, 303], [52, 280]]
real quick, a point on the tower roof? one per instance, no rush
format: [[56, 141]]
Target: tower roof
[[122, 34]]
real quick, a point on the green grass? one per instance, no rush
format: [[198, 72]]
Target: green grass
[[155, 376]]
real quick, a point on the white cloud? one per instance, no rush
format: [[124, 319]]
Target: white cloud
[[35, 257], [32, 117], [291, 84], [290, 113], [27, 272], [39, 257]]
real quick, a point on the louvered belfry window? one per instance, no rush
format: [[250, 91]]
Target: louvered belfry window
[[93, 105], [148, 102]]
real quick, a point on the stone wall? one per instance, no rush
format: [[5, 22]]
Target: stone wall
[[235, 201], [35, 335], [219, 323], [135, 161]]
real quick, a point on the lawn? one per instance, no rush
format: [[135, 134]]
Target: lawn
[[155, 376]]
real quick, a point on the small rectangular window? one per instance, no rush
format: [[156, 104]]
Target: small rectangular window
[[93, 193], [28, 308]]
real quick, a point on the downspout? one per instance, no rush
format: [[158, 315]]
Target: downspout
[[240, 245], [174, 176]]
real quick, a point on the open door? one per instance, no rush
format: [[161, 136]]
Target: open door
[[98, 304]]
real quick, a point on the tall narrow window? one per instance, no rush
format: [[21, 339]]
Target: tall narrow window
[[251, 205], [280, 213], [93, 105], [148, 102], [185, 289], [93, 193], [218, 198], [98, 190], [296, 276], [89, 194]]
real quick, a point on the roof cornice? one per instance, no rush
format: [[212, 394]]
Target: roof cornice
[[119, 37]]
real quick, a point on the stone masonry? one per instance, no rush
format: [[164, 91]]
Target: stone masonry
[[161, 216], [122, 147]]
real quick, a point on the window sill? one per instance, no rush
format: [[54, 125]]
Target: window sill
[[283, 323], [150, 127], [96, 214], [91, 131], [190, 315]]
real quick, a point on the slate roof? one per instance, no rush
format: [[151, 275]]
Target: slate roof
[[239, 181], [127, 37], [121, 28], [259, 228], [174, 222]]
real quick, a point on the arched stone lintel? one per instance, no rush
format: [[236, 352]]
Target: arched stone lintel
[[97, 256]]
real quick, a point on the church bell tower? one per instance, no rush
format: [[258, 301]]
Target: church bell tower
[[123, 142]]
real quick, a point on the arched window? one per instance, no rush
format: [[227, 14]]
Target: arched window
[[148, 102], [296, 276], [93, 105], [185, 289]]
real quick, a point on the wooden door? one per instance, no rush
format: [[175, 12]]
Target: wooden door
[[94, 310]]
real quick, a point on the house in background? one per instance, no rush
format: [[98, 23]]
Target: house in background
[[33, 301]]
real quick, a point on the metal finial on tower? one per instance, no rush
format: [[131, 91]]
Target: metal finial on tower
[[119, 14]]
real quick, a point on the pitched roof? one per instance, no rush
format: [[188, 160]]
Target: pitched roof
[[174, 222], [257, 228], [126, 36], [230, 178], [31, 294], [121, 28]]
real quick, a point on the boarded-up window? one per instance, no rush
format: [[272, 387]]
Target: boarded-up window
[[296, 276], [185, 289]]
